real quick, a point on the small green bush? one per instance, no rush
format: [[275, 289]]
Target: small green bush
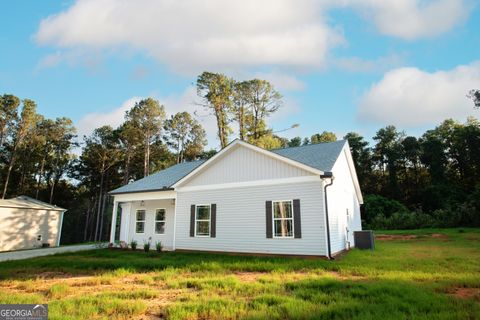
[[146, 246], [133, 244], [158, 246]]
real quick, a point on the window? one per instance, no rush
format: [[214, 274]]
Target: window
[[202, 221], [160, 221], [282, 219], [140, 224]]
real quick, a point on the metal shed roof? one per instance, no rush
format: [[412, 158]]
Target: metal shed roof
[[321, 156], [25, 202]]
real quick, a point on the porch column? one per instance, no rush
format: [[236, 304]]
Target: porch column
[[114, 221]]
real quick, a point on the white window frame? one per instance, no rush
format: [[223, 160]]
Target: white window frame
[[203, 220], [144, 220], [164, 221], [273, 220]]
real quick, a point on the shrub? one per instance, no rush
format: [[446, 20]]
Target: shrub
[[133, 244], [376, 206], [146, 246], [158, 246]]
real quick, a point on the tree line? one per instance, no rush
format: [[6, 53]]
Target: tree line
[[431, 178]]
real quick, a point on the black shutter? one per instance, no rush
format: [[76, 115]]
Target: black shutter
[[268, 215], [192, 220], [213, 220], [297, 224]]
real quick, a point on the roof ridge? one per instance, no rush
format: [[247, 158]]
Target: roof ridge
[[309, 145]]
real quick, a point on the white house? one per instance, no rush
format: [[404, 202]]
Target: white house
[[299, 201]]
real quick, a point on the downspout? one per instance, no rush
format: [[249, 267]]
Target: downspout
[[327, 175]]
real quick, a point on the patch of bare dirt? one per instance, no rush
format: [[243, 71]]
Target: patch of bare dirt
[[341, 276], [389, 237], [249, 276], [56, 275], [474, 237], [467, 293], [439, 236]]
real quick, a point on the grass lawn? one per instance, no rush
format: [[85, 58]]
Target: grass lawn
[[419, 274]]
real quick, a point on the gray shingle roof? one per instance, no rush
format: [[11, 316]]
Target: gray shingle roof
[[320, 156], [160, 180]]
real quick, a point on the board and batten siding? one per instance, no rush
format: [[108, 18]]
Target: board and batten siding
[[241, 220], [150, 207], [342, 197], [243, 164]]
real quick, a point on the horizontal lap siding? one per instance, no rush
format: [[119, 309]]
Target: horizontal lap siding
[[243, 164], [241, 222], [20, 227], [341, 196]]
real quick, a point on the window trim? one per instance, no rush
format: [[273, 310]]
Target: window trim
[[209, 221], [273, 220], [155, 221], [144, 220]]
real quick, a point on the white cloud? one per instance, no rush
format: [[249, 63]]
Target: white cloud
[[114, 118], [173, 104], [281, 81], [194, 35], [413, 97], [413, 19]]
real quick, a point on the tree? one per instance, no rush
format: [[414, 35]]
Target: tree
[[216, 92], [474, 94], [295, 142], [185, 136], [61, 138], [263, 100], [148, 116], [8, 113], [433, 156], [101, 152], [130, 138], [362, 158], [22, 127], [388, 153], [325, 136], [241, 105]]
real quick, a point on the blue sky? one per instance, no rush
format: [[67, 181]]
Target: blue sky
[[341, 65]]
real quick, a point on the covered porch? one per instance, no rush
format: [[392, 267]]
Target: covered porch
[[144, 217]]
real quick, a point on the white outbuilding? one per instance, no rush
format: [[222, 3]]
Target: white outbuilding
[[27, 223]]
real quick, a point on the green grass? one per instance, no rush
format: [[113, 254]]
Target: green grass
[[428, 276]]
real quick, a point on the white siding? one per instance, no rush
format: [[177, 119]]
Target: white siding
[[241, 222], [342, 197], [19, 228], [243, 164], [150, 206]]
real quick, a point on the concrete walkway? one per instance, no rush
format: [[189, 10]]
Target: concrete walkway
[[26, 254]]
